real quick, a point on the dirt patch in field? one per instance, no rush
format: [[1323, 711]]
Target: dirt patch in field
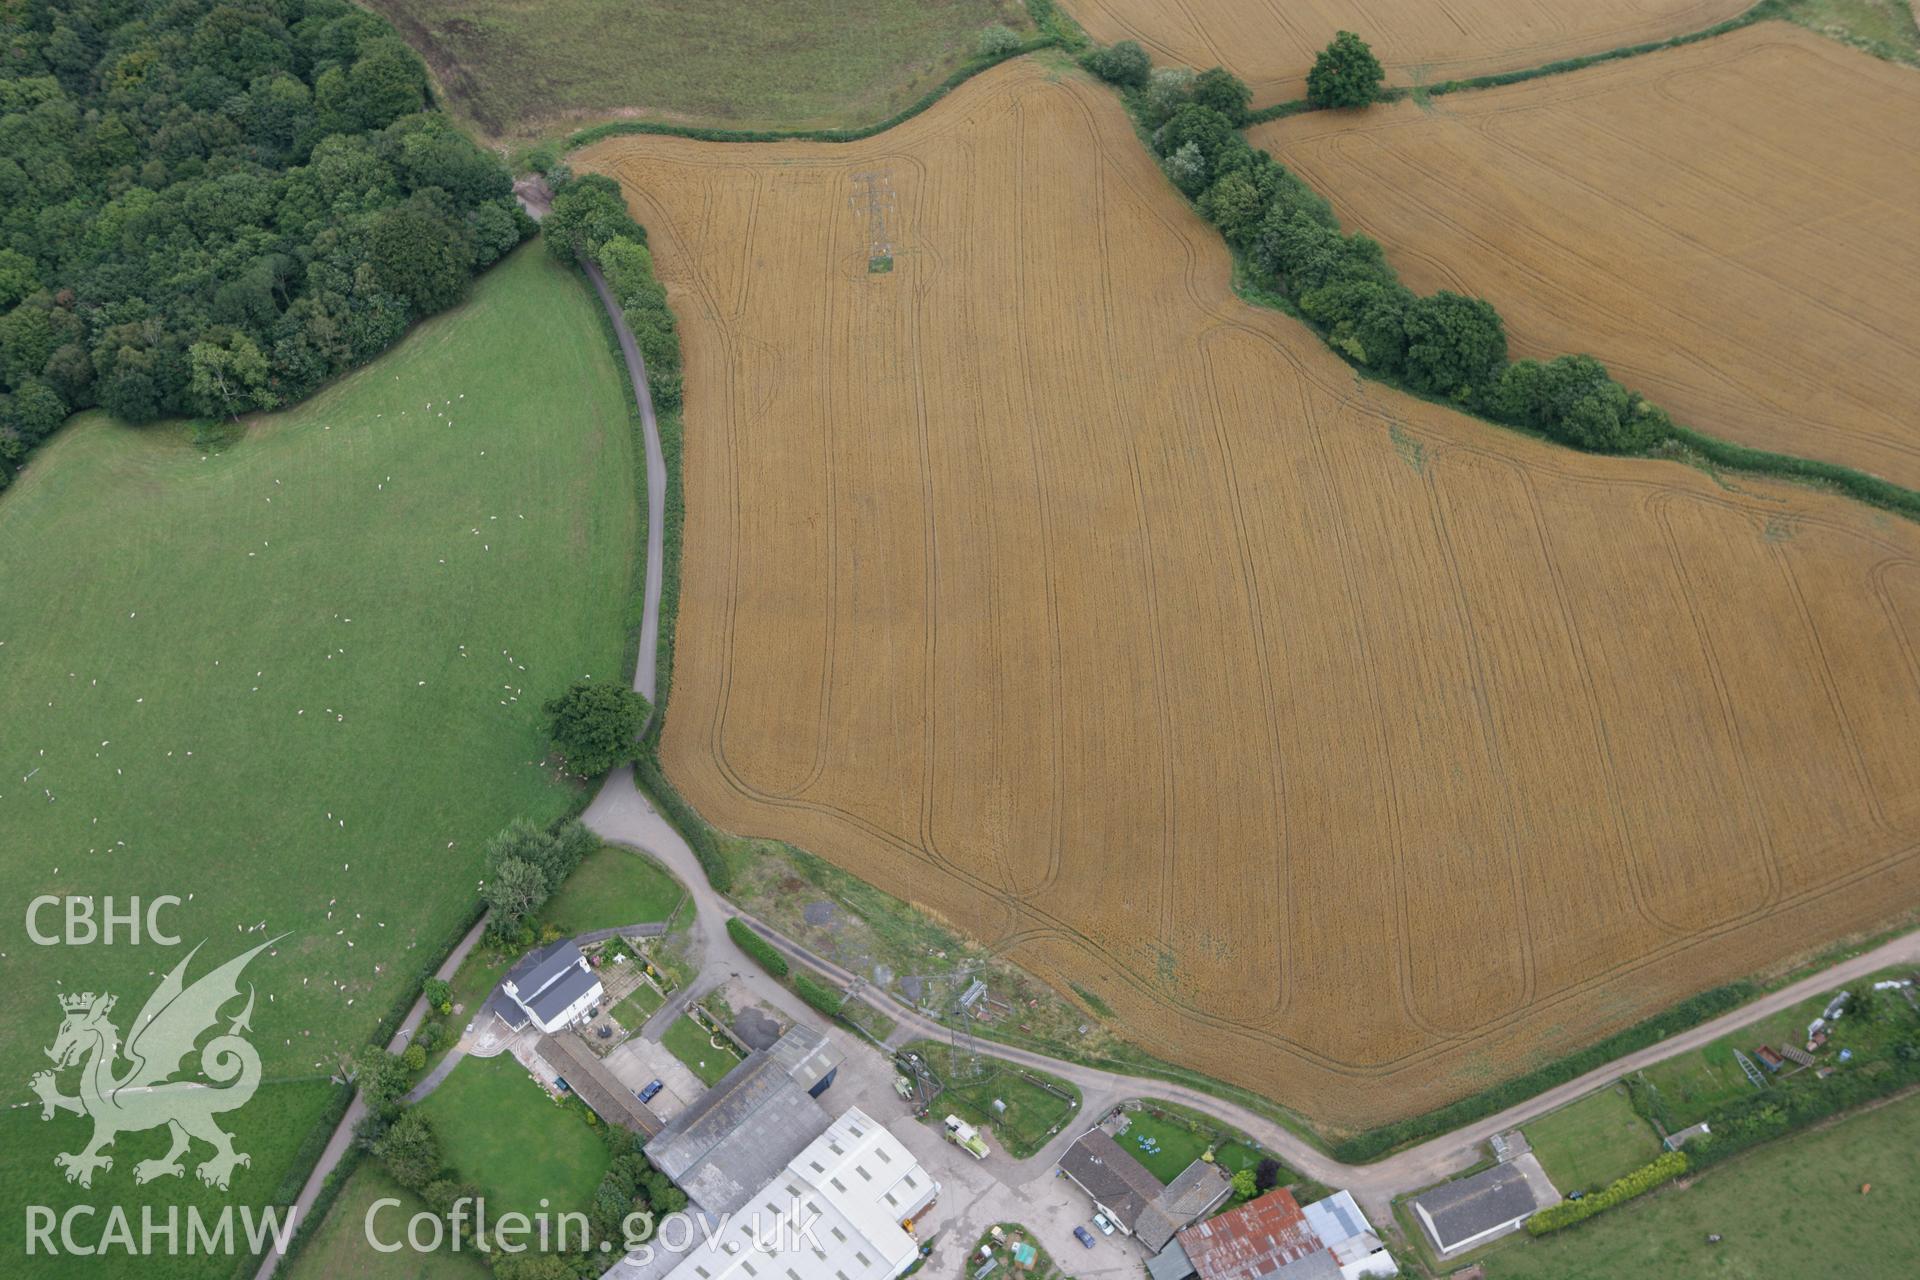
[[1734, 227], [1346, 748], [1271, 45]]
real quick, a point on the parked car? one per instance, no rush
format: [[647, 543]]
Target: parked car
[[1084, 1236], [647, 1094], [1100, 1221]]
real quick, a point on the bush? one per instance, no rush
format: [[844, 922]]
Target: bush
[[1642, 1180], [822, 996], [754, 945], [1346, 74], [1168, 89], [415, 1057], [586, 214], [596, 726], [997, 41], [1456, 345], [1125, 64], [438, 993], [1573, 400], [1224, 92]]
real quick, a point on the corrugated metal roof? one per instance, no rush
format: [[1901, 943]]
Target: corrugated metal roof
[[1252, 1241]]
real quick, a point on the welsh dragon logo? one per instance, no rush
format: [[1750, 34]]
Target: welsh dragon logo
[[142, 1094]]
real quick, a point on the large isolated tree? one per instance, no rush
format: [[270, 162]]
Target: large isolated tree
[[596, 725], [1346, 74]]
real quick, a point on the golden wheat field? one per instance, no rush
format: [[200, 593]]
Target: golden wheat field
[[1271, 44], [1686, 216], [1349, 749]]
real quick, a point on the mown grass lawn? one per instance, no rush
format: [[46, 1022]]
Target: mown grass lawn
[[296, 684], [613, 886], [1791, 1209], [1589, 1143], [686, 1041], [340, 1247], [503, 1133], [1176, 1145], [519, 70], [640, 1005]]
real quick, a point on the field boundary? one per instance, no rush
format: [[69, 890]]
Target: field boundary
[[1058, 31], [1492, 80], [1672, 441]]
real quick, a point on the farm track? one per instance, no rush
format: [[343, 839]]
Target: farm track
[[1684, 216], [1489, 743]]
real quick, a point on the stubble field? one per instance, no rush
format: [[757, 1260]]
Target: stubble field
[[1271, 45], [1349, 749], [1687, 216]]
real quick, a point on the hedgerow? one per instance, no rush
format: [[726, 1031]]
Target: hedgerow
[[754, 945], [1642, 1180], [822, 996]]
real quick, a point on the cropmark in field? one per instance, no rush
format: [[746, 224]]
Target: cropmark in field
[[1732, 226], [1271, 45], [1349, 749]]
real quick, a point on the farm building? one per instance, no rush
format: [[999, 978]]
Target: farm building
[[551, 987], [596, 1086], [1273, 1238], [855, 1184], [1133, 1198], [737, 1135], [1471, 1211]]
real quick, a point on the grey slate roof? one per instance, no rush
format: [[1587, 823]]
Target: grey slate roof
[[560, 992], [1462, 1210], [1171, 1263], [1199, 1188], [739, 1134], [1113, 1178], [542, 965], [595, 1085]]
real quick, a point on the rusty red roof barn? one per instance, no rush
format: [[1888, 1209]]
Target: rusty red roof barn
[[1255, 1240]]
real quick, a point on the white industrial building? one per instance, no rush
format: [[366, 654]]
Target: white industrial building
[[857, 1186]]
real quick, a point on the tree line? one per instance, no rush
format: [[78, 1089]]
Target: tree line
[[210, 208], [1444, 345]]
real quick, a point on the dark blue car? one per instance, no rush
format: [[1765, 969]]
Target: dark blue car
[[1084, 1236], [647, 1094]]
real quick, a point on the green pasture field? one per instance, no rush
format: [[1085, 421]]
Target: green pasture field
[[1793, 1208], [296, 683], [522, 71], [340, 1246], [1587, 1144], [505, 1135], [614, 886]]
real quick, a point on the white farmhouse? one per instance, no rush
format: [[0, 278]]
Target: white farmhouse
[[552, 988]]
